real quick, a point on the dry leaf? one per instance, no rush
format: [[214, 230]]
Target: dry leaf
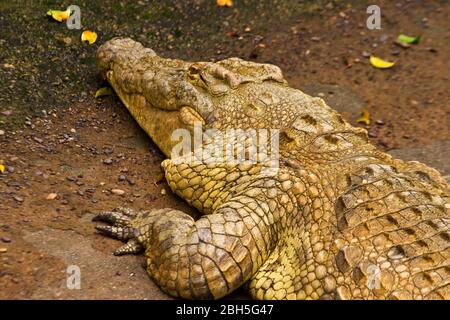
[[105, 91], [365, 118], [224, 3], [59, 15], [89, 36], [380, 63]]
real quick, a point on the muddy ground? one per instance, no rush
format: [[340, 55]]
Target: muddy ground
[[56, 138]]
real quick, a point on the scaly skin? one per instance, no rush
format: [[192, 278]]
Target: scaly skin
[[337, 211]]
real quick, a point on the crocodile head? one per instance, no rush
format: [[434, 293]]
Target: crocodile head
[[166, 94]]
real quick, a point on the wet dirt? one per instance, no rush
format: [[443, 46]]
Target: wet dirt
[[80, 148]]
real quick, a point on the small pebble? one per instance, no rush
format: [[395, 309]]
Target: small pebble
[[51, 196], [372, 134], [118, 191], [67, 40], [6, 239], [402, 44], [18, 199], [38, 140], [2, 132], [163, 191], [107, 151], [3, 250], [384, 37], [108, 161]]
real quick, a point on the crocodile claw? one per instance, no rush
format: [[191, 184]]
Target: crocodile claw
[[131, 247], [121, 233], [120, 227], [113, 217]]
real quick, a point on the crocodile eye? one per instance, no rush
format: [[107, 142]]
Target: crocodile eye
[[194, 69], [194, 72]]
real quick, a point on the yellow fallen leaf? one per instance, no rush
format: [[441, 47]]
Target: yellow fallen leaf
[[380, 63], [365, 118], [90, 36], [224, 3], [105, 91], [59, 15], [2, 168]]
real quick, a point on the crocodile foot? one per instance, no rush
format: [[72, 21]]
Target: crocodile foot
[[120, 227]]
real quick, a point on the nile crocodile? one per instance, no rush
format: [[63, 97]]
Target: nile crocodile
[[338, 219]]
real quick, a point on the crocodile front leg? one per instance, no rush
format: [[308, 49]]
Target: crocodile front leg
[[210, 257], [202, 259]]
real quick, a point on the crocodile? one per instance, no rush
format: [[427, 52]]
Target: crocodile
[[337, 219]]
